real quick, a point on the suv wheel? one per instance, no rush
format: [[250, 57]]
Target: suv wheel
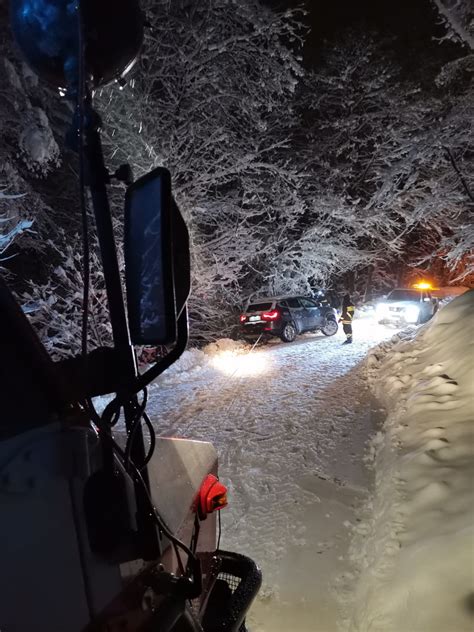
[[289, 333], [330, 327]]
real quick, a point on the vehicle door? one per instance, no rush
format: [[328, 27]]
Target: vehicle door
[[311, 314], [285, 310], [426, 306], [297, 313]]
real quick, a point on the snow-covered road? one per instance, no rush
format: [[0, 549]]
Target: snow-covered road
[[290, 423]]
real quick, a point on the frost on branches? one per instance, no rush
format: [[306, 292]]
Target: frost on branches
[[394, 148], [9, 227], [28, 129], [459, 19], [212, 100], [55, 306], [39, 219]]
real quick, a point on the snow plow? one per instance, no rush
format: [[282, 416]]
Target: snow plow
[[106, 529]]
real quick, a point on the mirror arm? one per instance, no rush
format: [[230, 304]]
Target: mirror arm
[[160, 366], [97, 179]]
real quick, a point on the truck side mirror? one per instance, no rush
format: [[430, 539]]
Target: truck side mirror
[[156, 250]]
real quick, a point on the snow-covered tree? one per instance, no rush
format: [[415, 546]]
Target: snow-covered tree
[[212, 100], [55, 305], [381, 141], [287, 178], [458, 16], [40, 245]]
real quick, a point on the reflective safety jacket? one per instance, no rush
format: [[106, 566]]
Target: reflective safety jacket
[[347, 314]]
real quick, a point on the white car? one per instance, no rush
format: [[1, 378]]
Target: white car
[[405, 306]]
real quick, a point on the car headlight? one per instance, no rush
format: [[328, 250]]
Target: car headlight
[[411, 313], [381, 310]]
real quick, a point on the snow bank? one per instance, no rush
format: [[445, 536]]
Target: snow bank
[[415, 549]]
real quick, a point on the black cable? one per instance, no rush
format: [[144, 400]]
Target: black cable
[[178, 558], [108, 420], [137, 475], [161, 525], [152, 437], [110, 417], [219, 532], [159, 521], [111, 413], [195, 534], [136, 422]]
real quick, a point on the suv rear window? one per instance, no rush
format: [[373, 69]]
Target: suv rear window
[[259, 307], [293, 302]]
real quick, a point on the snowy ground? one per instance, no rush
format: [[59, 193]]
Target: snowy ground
[[290, 423]]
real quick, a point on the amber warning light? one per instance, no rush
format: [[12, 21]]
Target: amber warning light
[[423, 285]]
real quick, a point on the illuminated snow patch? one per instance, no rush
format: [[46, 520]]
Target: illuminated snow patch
[[240, 365]]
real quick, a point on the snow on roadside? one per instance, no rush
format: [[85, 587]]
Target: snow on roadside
[[415, 548], [193, 360]]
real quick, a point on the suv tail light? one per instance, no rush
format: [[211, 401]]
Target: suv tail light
[[243, 318], [273, 315]]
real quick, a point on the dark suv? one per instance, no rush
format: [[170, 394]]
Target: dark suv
[[286, 317]]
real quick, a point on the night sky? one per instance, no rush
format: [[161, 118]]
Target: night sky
[[415, 24]]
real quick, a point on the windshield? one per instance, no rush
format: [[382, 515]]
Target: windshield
[[403, 295], [259, 307]]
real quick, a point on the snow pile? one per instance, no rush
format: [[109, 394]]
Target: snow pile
[[235, 358], [415, 552], [221, 354], [191, 360], [226, 345]]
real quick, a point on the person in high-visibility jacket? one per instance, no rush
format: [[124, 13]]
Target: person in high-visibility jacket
[[347, 315]]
